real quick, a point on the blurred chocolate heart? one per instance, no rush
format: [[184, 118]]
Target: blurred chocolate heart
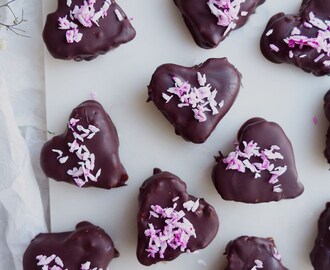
[[249, 252], [86, 154], [194, 99], [88, 247], [261, 168], [301, 40], [84, 29], [211, 21], [170, 221]]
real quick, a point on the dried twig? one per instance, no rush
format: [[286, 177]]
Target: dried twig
[[13, 27]]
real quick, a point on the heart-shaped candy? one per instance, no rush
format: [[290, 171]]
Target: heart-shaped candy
[[249, 252], [194, 99], [86, 154], [170, 221], [320, 255], [261, 168], [84, 29], [301, 40], [211, 21], [88, 247]]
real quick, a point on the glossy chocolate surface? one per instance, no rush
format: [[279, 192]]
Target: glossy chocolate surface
[[160, 189], [104, 145], [203, 24], [281, 26], [327, 115], [220, 74], [87, 243], [320, 255], [246, 253], [244, 187], [110, 34]]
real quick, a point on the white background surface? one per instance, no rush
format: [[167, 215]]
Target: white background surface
[[279, 93]]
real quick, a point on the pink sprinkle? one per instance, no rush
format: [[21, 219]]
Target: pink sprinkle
[[315, 120], [274, 48]]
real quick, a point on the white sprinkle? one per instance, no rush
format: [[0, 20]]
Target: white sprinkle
[[273, 47], [308, 25], [59, 262], [326, 63], [270, 31], [295, 31], [62, 160], [195, 206], [221, 103], [118, 14], [244, 13], [290, 54], [85, 266], [152, 213], [319, 57], [167, 97], [202, 262], [188, 205], [277, 189], [58, 152], [201, 79], [93, 128], [302, 56], [68, 3], [175, 199]]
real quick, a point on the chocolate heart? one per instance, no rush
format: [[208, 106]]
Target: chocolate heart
[[211, 21], [170, 221], [320, 255], [327, 114], [261, 168], [84, 29], [253, 253], [302, 40], [86, 248], [86, 154], [194, 99]]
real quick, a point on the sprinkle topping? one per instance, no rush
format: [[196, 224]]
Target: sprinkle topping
[[175, 234], [85, 15], [54, 262], [201, 99], [240, 161], [258, 265], [227, 12], [86, 164], [321, 43]]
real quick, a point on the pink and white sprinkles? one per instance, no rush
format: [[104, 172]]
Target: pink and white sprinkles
[[240, 161], [83, 172], [86, 16], [321, 43], [201, 99], [258, 265], [54, 262], [175, 234], [227, 12]]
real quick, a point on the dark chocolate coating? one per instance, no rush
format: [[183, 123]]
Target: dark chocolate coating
[[221, 74], [320, 255], [104, 145], [282, 26], [243, 187], [244, 250], [95, 41], [160, 189], [202, 24], [327, 115], [86, 243]]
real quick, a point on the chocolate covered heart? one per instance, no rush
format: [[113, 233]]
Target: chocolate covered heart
[[211, 21], [320, 255], [84, 29], [261, 168], [194, 99], [253, 253], [170, 221], [86, 154], [88, 247], [327, 115], [301, 40]]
